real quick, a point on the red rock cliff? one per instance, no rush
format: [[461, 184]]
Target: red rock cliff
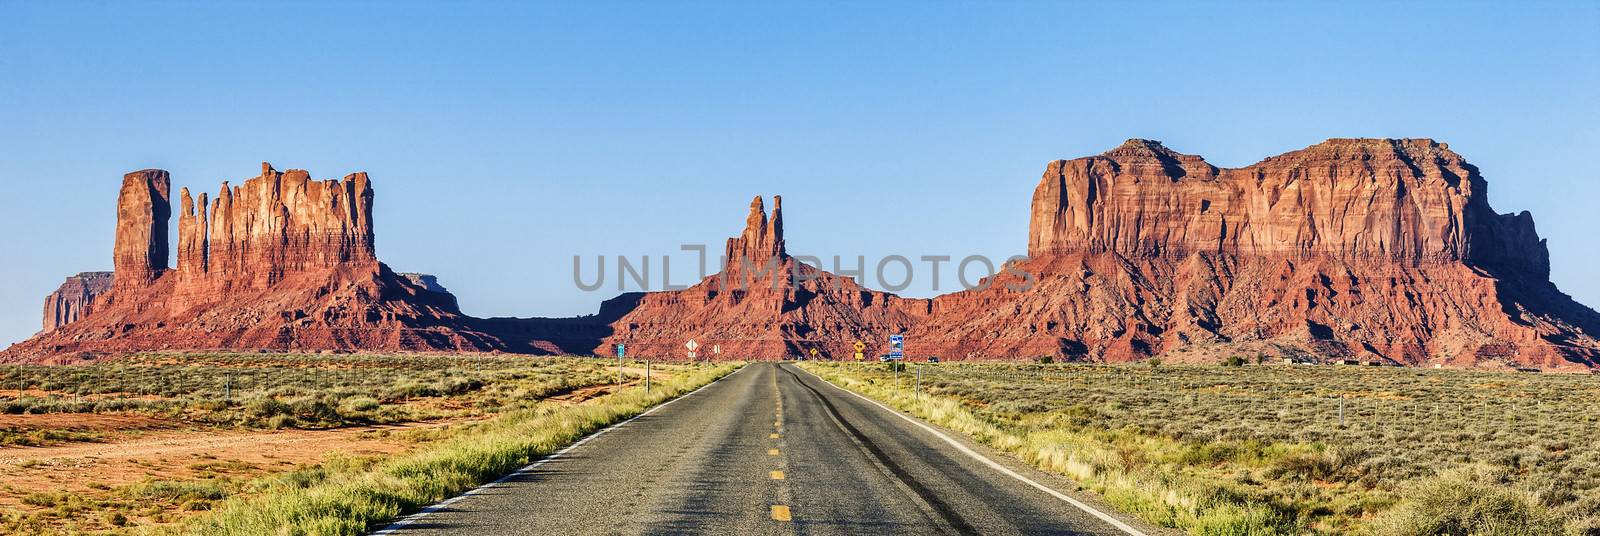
[[75, 298], [144, 207], [1372, 249], [1382, 250], [279, 262], [1410, 200], [761, 244], [276, 224], [764, 304]]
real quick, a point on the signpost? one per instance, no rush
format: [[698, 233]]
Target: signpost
[[813, 354], [859, 347], [620, 350], [716, 350], [691, 345], [897, 346]]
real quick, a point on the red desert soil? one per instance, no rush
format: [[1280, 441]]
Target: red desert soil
[[164, 453], [83, 422], [578, 396]]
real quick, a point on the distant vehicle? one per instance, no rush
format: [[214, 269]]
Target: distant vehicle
[[933, 359], [885, 358]]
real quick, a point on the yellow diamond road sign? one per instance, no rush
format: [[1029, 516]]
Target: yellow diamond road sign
[[860, 346]]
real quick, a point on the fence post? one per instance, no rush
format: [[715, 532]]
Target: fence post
[[918, 390], [1341, 410], [647, 376]]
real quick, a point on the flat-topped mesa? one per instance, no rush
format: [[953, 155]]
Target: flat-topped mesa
[[760, 246], [75, 298], [1394, 199], [144, 207], [276, 224]]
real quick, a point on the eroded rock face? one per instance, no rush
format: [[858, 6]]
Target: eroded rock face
[[756, 307], [276, 224], [1409, 200], [1377, 250], [144, 208], [75, 298], [1374, 249], [760, 246], [280, 262]]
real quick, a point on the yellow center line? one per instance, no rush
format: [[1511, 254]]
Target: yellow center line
[[772, 452], [772, 436], [780, 512], [777, 475]]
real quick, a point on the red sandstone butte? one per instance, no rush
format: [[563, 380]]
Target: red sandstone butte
[[281, 261], [143, 208], [756, 307], [1375, 249], [1378, 250]]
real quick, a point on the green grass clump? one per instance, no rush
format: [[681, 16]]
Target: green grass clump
[[1463, 503], [36, 438]]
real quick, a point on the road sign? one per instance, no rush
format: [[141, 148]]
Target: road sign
[[813, 353], [622, 350], [691, 345], [859, 347], [897, 346], [716, 349]]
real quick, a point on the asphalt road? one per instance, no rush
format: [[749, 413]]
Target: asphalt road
[[771, 449]]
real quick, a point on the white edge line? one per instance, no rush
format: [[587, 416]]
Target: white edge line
[[1108, 518], [413, 518]]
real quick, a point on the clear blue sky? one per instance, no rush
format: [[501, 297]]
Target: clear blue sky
[[504, 139]]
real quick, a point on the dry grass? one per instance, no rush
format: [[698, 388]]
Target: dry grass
[[1259, 449], [241, 395], [292, 391]]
